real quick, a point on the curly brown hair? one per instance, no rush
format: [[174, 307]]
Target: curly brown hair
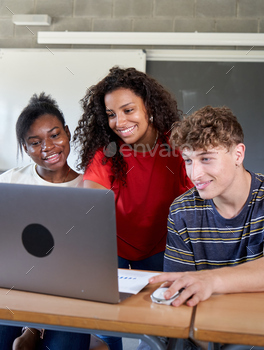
[[93, 131], [207, 127]]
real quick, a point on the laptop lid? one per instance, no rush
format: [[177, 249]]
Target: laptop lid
[[59, 241]]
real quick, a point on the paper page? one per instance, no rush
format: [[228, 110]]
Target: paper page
[[132, 281]]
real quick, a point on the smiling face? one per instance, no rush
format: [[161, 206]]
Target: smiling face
[[214, 171], [47, 143], [127, 117]]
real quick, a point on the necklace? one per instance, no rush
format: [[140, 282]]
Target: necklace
[[68, 171], [67, 174], [155, 142]]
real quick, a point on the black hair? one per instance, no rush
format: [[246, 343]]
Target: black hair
[[37, 106]]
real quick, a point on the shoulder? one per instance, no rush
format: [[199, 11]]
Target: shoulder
[[99, 170], [257, 189], [187, 204], [100, 158], [19, 174], [259, 179], [99, 154], [99, 163], [257, 185], [189, 197], [77, 182]]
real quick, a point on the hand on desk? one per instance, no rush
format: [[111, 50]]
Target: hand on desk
[[27, 341], [198, 286]]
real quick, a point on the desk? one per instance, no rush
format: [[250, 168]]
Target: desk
[[135, 317], [231, 318]]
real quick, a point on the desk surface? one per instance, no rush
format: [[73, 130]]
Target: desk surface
[[231, 318], [137, 314]]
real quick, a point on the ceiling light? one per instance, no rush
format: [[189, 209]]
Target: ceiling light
[[152, 38], [32, 20]]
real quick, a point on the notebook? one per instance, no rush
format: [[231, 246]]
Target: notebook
[[59, 241]]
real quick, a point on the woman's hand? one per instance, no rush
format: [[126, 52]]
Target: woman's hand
[[28, 340]]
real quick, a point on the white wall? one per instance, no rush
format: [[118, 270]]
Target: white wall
[[64, 74]]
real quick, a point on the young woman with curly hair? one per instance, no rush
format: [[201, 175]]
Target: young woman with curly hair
[[123, 137]]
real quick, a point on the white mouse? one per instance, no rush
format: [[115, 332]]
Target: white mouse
[[158, 296]]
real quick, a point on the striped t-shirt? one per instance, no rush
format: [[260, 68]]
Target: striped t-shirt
[[200, 238]]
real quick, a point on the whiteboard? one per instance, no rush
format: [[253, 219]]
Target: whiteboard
[[64, 74]]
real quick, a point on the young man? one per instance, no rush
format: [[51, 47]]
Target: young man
[[216, 229]]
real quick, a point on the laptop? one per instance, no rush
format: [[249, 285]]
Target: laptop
[[59, 241]]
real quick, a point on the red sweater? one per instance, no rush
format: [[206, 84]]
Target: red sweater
[[154, 180]]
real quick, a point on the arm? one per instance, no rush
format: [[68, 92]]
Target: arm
[[97, 173], [28, 340], [92, 184], [200, 285]]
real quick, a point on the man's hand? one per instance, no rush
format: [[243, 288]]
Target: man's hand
[[198, 285]]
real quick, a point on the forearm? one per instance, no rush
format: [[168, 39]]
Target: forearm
[[200, 285], [247, 277]]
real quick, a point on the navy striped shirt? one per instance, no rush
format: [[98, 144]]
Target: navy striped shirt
[[200, 238]]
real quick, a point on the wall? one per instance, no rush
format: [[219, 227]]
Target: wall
[[65, 74], [129, 15], [139, 16], [238, 85]]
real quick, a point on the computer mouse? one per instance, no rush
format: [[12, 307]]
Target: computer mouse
[[158, 296]]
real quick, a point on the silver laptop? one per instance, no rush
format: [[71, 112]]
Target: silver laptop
[[59, 241]]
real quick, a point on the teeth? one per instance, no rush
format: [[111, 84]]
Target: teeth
[[53, 155], [201, 184], [127, 130]]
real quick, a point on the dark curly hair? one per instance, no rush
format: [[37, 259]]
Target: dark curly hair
[[37, 106], [209, 126], [93, 131]]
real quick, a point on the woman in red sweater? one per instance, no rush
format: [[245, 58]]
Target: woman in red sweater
[[123, 134], [123, 139]]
